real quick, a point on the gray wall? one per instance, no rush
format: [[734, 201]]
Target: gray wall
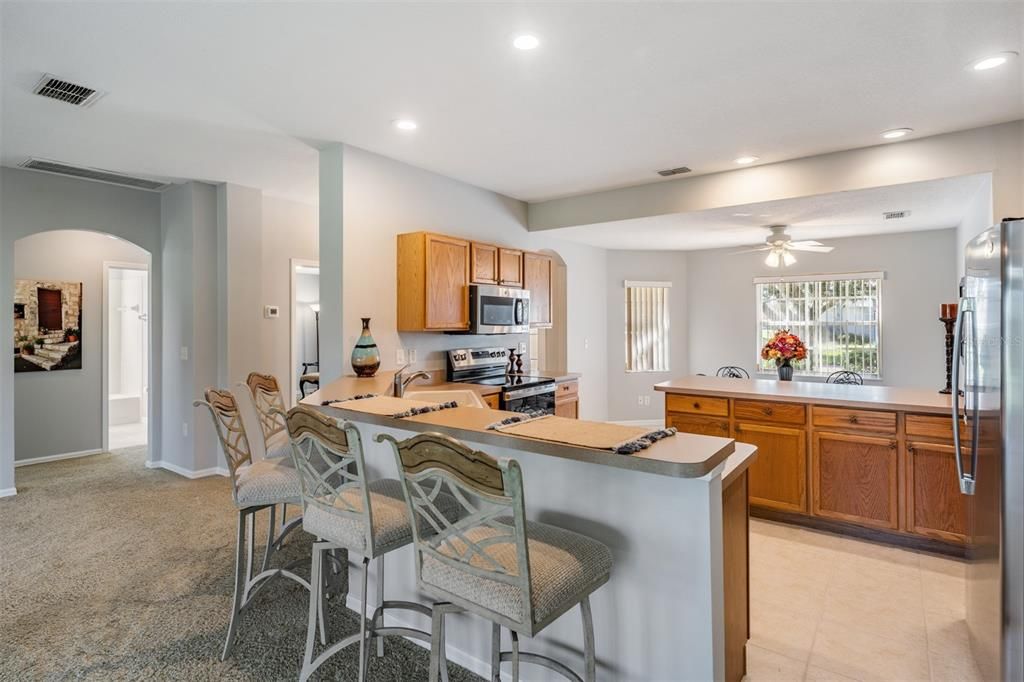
[[60, 412], [36, 202], [921, 273], [624, 387]]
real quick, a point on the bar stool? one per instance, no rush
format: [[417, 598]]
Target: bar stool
[[255, 486], [492, 562], [732, 372], [269, 404], [346, 512]]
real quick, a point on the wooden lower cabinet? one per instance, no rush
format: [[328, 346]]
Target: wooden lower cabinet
[[736, 576], [855, 478], [778, 478], [567, 399], [491, 401], [935, 506]]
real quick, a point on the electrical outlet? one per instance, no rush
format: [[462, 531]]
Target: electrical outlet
[[586, 344], [400, 356], [647, 400], [184, 429], [412, 355], [522, 346], [184, 352]]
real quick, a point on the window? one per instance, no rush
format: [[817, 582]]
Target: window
[[647, 326], [837, 316]]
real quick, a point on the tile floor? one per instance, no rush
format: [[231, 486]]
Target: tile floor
[[127, 435], [825, 607]]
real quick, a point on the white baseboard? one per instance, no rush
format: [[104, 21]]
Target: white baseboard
[[8, 492], [55, 458], [187, 473], [453, 654], [646, 423]]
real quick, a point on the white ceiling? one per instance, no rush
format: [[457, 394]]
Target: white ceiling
[[934, 204], [244, 92]]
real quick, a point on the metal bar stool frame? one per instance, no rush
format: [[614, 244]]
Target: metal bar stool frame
[[327, 451], [493, 492]]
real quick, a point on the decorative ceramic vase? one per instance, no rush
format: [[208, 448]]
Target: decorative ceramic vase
[[785, 370], [366, 355]]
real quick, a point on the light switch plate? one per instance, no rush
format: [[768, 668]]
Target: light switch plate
[[271, 311], [412, 355], [184, 352]]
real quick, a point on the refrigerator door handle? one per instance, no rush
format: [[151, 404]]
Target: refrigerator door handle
[[966, 480]]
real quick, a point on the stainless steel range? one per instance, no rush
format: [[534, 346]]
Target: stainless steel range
[[490, 367]]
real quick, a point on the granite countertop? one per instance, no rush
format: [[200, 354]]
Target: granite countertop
[[843, 395], [681, 456]]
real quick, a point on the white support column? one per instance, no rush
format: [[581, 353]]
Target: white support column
[[7, 371], [332, 341]]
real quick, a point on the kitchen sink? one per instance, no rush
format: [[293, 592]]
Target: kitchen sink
[[463, 397]]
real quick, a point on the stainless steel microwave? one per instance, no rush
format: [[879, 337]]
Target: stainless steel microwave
[[498, 310]]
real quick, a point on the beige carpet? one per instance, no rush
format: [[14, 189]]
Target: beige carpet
[[111, 571]]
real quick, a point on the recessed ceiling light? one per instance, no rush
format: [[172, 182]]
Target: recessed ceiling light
[[897, 133], [405, 124], [526, 42], [744, 160], [992, 61]]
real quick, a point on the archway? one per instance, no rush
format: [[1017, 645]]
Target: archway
[[60, 370]]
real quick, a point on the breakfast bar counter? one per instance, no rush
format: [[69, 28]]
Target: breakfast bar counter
[[671, 522]]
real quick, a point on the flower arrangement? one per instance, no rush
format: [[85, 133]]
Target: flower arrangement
[[784, 347]]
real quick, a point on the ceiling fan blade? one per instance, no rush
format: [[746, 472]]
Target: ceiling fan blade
[[806, 242], [763, 248], [814, 249]]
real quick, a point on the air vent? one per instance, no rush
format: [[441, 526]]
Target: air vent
[[66, 91], [673, 171], [95, 174], [895, 215]]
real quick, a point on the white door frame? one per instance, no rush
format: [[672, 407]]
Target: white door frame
[[105, 359], [293, 382]]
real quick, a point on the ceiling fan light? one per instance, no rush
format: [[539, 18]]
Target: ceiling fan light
[[788, 258], [772, 260]]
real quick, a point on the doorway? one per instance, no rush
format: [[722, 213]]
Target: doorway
[[305, 328], [126, 353]]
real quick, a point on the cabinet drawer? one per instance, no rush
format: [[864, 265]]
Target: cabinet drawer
[[934, 426], [861, 420], [766, 411], [697, 404], [699, 424], [567, 388]]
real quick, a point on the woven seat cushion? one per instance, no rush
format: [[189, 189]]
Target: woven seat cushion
[[391, 527], [268, 481], [564, 567], [279, 445]]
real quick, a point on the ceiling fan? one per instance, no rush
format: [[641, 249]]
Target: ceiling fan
[[780, 246]]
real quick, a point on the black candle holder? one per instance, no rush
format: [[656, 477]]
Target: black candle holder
[[949, 323]]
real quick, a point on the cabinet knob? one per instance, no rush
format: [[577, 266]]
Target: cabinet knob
[[768, 411], [853, 419], [892, 445], [696, 406]]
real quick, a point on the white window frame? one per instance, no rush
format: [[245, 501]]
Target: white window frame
[[821, 277], [666, 354]]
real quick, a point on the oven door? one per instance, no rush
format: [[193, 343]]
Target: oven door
[[498, 310], [535, 399]]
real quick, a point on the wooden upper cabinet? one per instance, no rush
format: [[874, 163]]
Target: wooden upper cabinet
[[510, 268], [935, 506], [778, 477], [433, 279], [537, 278], [855, 478], [484, 263]]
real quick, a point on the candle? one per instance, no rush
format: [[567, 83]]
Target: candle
[[953, 309]]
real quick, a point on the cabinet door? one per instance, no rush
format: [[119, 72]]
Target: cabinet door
[[447, 304], [778, 477], [567, 407], [854, 478], [491, 401], [935, 506], [704, 426], [510, 268], [484, 267], [537, 278]]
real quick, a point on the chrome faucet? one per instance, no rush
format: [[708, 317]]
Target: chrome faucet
[[401, 381]]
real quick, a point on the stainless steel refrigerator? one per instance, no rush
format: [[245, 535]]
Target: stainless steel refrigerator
[[990, 371]]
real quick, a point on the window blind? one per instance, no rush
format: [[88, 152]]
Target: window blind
[[647, 326]]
